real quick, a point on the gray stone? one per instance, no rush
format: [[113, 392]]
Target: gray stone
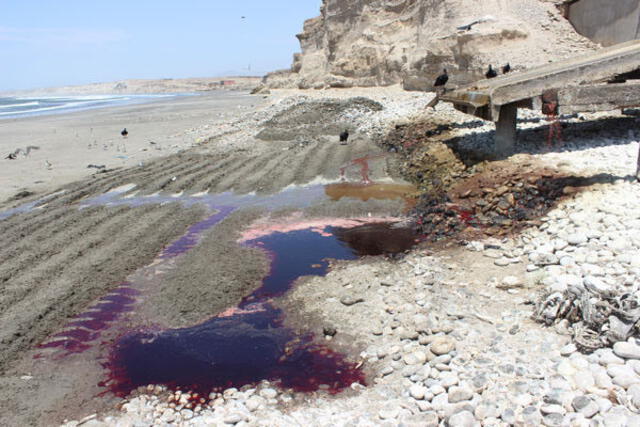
[[233, 418], [269, 393], [597, 285], [415, 358], [388, 413], [625, 380], [448, 379], [458, 394], [616, 417], [585, 406], [508, 416], [254, 402], [568, 349], [531, 415], [442, 345], [510, 282], [486, 410], [577, 238], [429, 419], [462, 419], [422, 323], [552, 409], [553, 420], [617, 370], [606, 357], [349, 300], [417, 391], [627, 350], [502, 262]]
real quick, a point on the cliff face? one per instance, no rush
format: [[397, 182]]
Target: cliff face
[[383, 42]]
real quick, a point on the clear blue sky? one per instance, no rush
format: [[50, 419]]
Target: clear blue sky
[[53, 43]]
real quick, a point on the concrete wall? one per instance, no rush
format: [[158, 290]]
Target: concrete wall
[[606, 21]]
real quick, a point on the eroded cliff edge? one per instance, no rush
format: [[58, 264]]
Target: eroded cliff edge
[[384, 42]]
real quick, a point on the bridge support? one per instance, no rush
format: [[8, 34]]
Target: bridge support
[[638, 166], [505, 137]]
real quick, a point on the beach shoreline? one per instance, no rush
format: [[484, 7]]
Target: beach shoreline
[[70, 142]]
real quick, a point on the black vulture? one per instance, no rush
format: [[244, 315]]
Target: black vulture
[[344, 136], [124, 133], [506, 68], [491, 73], [442, 79]]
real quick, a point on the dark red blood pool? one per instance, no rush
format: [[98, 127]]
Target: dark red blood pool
[[253, 344]]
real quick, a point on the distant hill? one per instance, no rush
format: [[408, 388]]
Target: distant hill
[[143, 86]]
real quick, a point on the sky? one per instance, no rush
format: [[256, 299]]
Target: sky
[[46, 43]]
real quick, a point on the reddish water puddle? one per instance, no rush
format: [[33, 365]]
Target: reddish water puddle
[[363, 164], [89, 325], [251, 343]]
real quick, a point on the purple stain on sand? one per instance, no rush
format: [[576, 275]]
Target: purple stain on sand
[[194, 233], [88, 325]]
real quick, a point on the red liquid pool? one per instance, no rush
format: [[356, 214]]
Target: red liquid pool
[[252, 344]]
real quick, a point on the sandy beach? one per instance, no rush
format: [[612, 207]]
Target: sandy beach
[[70, 142]]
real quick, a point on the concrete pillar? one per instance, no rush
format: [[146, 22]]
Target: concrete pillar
[[638, 166], [505, 138]]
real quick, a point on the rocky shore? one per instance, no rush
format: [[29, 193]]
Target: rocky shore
[[528, 326]]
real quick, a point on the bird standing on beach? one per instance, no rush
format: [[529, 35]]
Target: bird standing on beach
[[48, 164], [506, 68], [343, 137], [124, 133], [442, 79], [491, 73]]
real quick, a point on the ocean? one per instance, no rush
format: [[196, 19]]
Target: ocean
[[13, 107]]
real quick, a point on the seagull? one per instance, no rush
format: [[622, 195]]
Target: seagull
[[491, 73], [48, 164], [14, 155], [343, 137], [124, 133], [506, 68], [27, 150]]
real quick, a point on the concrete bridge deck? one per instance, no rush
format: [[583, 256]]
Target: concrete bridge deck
[[578, 85]]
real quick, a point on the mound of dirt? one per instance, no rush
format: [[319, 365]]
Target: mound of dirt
[[312, 119]]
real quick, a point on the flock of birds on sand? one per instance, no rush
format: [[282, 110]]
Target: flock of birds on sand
[[27, 150]]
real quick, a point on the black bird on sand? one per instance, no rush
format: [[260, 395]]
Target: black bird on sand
[[343, 137], [442, 79], [506, 68], [491, 73], [124, 133]]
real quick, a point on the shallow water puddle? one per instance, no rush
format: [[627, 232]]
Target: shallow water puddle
[[250, 342]]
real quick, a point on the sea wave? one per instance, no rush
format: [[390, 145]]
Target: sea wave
[[35, 105], [54, 107], [23, 104]]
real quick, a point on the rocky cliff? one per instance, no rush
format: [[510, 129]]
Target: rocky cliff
[[383, 42]]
